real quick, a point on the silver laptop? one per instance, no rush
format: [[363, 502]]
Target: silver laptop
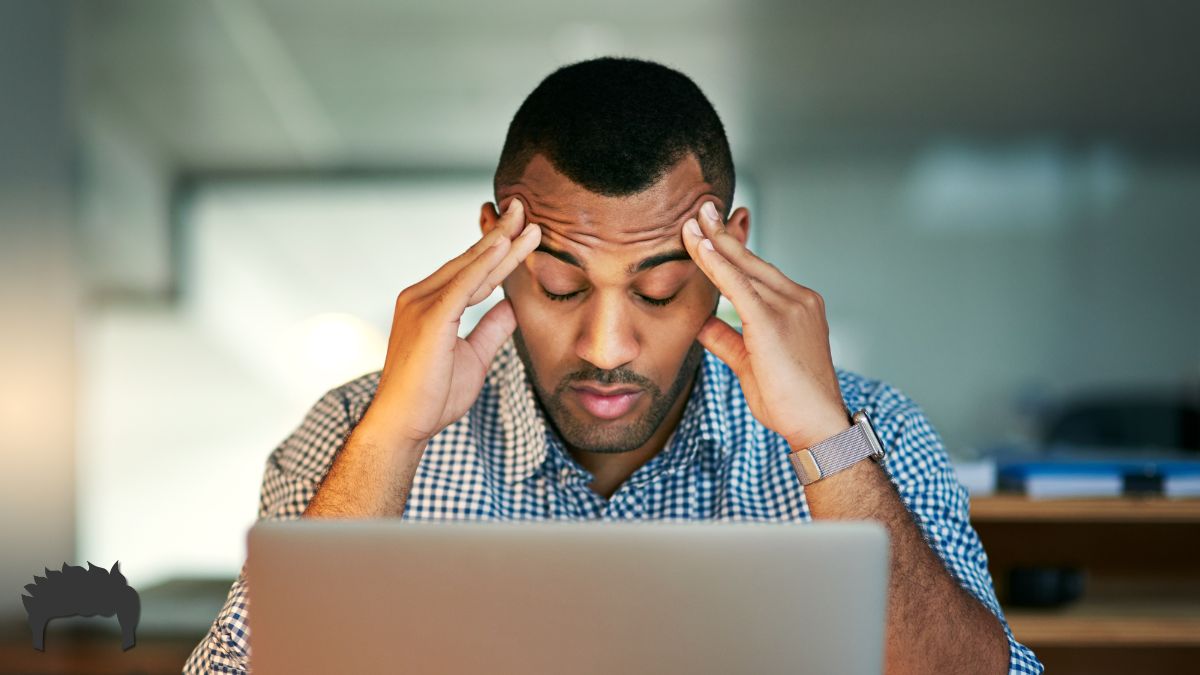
[[375, 596]]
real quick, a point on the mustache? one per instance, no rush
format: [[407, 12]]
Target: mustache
[[604, 378]]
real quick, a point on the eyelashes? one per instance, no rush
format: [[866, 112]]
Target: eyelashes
[[559, 298], [657, 302]]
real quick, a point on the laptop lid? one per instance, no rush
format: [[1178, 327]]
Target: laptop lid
[[458, 597]]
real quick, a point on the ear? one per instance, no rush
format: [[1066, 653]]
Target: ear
[[488, 215], [738, 224]]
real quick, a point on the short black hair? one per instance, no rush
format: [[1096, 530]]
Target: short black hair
[[615, 126]]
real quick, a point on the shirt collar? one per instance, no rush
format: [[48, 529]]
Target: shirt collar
[[513, 436], [508, 426]]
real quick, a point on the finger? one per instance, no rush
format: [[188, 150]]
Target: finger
[[736, 252], [521, 247], [731, 281], [452, 299], [508, 226], [726, 343], [492, 330]]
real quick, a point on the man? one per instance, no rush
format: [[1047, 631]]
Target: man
[[604, 386]]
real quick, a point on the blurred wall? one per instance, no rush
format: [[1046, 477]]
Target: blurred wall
[[997, 199], [38, 298], [981, 278]]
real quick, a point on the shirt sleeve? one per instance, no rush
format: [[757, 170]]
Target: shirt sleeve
[[293, 471], [921, 469]]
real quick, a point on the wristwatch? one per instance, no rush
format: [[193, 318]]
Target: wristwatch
[[839, 451]]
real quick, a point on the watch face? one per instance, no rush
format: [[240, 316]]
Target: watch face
[[861, 417]]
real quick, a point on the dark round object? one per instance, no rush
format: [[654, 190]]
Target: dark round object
[[1044, 586]]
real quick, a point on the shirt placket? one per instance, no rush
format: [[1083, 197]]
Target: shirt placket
[[567, 487]]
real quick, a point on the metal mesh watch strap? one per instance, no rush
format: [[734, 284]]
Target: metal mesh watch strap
[[835, 453]]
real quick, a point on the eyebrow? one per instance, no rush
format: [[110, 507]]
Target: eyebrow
[[635, 268]]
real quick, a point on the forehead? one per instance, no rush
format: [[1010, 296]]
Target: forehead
[[584, 223]]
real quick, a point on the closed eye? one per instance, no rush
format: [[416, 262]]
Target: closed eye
[[657, 302], [560, 298]]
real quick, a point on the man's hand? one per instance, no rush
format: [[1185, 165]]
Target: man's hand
[[783, 362], [430, 377], [782, 356]]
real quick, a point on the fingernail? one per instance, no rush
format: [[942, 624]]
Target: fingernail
[[515, 203], [693, 227], [711, 211], [529, 230], [707, 243]]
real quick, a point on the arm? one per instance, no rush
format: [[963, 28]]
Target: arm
[[371, 477], [335, 466], [942, 611], [783, 363], [430, 377]]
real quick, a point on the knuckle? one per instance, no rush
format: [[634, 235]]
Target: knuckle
[[404, 297], [442, 297]]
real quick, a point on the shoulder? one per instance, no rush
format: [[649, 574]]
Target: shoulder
[[881, 399], [352, 397], [889, 407], [451, 444], [915, 449], [308, 450]]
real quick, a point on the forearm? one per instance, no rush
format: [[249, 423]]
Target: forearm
[[368, 478], [933, 624]]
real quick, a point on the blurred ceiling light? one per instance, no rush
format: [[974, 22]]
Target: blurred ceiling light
[[965, 187], [336, 347], [1018, 186]]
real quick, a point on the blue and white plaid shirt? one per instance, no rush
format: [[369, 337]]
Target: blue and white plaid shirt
[[502, 461]]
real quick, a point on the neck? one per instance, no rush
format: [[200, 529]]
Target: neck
[[610, 470]]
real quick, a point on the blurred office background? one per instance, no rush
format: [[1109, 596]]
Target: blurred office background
[[208, 207]]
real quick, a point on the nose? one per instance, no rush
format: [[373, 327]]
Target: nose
[[608, 338]]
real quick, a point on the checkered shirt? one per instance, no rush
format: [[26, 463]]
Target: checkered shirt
[[502, 461]]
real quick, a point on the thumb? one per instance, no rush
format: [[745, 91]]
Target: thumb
[[492, 330], [726, 343]]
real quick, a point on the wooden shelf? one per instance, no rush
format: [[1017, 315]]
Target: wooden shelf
[[1140, 610], [1019, 508], [1145, 613]]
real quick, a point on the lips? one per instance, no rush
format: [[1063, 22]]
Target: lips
[[610, 391], [607, 404]]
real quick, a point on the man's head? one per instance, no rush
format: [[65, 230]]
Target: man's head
[[610, 157], [615, 126]]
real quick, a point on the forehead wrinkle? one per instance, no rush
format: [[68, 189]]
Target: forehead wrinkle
[[543, 212], [537, 216], [695, 202], [537, 205], [558, 252], [649, 262]]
